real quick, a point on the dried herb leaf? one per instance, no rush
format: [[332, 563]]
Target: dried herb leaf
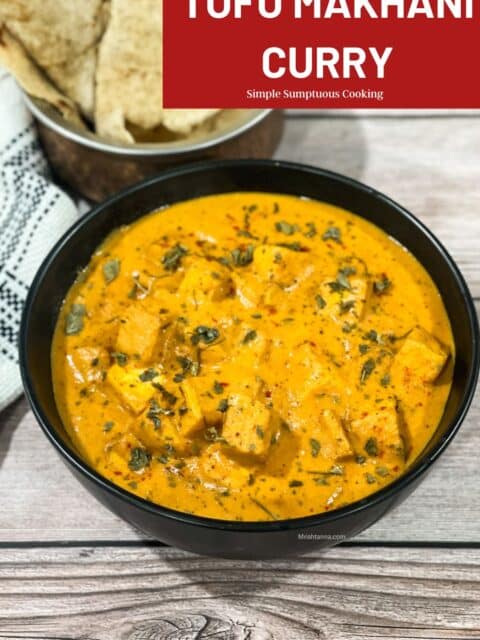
[[249, 336], [74, 320], [311, 231], [242, 257], [292, 246], [315, 447], [371, 447], [342, 282], [295, 483], [321, 303], [346, 306], [189, 367], [385, 380], [383, 472], [111, 270], [367, 370], [170, 398], [286, 228], [148, 375], [212, 435], [217, 388], [173, 259], [139, 459], [332, 233], [372, 335], [120, 358], [207, 335], [222, 405], [382, 286]]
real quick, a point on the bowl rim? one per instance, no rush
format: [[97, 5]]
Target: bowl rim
[[421, 465], [91, 140]]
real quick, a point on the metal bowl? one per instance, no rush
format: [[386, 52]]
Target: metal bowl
[[230, 538], [97, 168]]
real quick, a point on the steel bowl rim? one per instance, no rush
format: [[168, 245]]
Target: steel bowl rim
[[146, 150], [305, 522]]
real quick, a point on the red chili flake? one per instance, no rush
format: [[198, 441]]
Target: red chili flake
[[268, 394], [313, 344]]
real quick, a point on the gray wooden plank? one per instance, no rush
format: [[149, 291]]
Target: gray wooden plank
[[431, 166], [138, 594]]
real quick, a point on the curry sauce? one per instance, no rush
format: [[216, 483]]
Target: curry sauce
[[252, 357]]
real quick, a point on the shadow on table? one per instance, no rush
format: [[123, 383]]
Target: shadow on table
[[331, 142], [10, 418]]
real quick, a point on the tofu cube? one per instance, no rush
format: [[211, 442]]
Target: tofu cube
[[139, 333], [134, 393], [308, 373], [247, 428], [378, 435], [120, 453], [247, 290], [421, 359], [88, 364], [347, 303], [332, 436], [213, 355], [205, 281], [216, 467]]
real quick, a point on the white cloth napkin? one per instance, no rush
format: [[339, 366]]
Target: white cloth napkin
[[34, 213]]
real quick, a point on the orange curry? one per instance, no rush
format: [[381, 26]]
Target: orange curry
[[252, 357]]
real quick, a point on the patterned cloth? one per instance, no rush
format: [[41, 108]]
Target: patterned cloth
[[34, 213]]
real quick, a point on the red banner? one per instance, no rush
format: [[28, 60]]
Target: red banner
[[321, 53]]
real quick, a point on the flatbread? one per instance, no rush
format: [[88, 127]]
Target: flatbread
[[62, 37], [129, 72], [130, 75], [14, 57], [185, 120], [76, 79]]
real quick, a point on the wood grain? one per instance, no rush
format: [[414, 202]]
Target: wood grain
[[159, 593], [432, 166], [429, 165]]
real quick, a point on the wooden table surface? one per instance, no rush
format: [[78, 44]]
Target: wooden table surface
[[70, 569]]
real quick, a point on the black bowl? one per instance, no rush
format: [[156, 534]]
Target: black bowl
[[216, 537]]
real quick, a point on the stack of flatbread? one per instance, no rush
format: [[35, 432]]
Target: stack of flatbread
[[98, 62]]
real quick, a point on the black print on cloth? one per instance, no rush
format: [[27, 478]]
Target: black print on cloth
[[33, 214]]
